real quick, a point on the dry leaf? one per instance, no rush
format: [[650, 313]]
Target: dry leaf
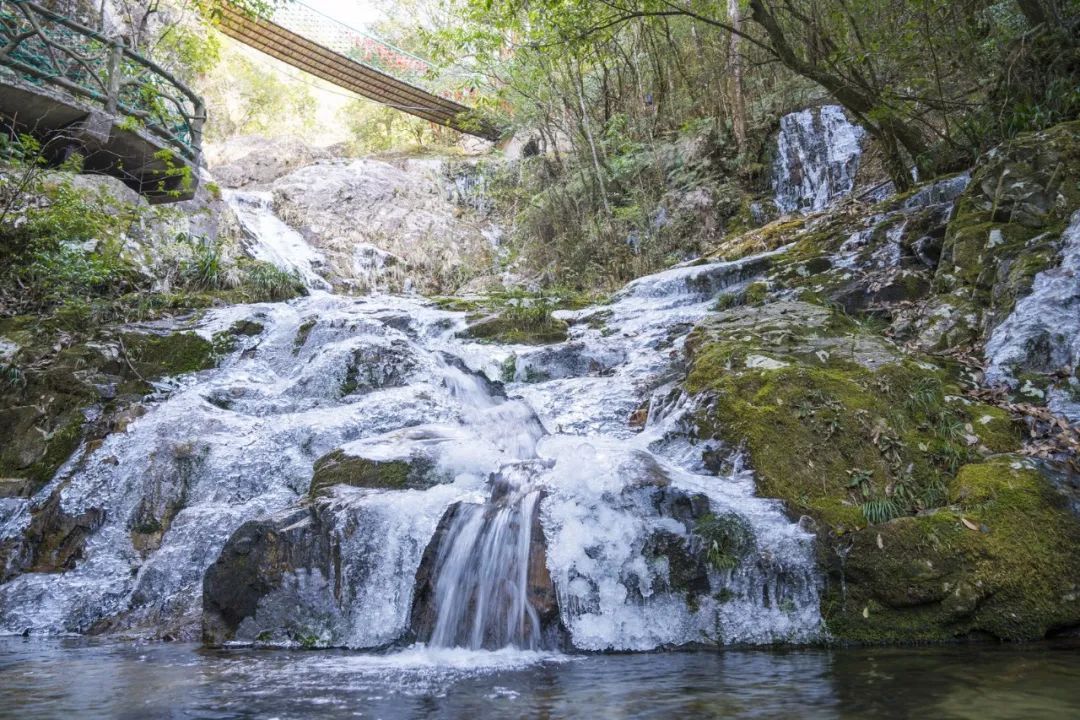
[[969, 525]]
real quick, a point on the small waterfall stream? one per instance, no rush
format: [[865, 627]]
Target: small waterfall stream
[[817, 158], [481, 584]]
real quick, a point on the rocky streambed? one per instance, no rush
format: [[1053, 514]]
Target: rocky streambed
[[850, 424]]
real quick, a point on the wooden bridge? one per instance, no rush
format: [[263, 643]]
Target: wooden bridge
[[357, 61]]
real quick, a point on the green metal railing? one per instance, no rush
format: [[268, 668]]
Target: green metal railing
[[44, 48]]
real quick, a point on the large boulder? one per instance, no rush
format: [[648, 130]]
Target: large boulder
[[253, 160], [261, 558], [381, 224], [927, 529]]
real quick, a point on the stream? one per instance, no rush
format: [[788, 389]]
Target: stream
[[55, 678]]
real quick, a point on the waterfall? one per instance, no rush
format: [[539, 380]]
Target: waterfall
[[529, 513], [481, 578], [1043, 332], [272, 241], [817, 159]]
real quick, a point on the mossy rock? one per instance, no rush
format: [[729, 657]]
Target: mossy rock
[[155, 356], [1009, 220], [819, 401], [894, 468], [340, 468], [999, 561], [502, 329]]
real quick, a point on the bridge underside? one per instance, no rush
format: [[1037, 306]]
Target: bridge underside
[[299, 52], [65, 125]]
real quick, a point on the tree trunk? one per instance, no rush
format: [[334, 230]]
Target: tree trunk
[[738, 101]]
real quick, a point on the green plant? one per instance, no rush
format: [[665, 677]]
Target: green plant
[[859, 479], [880, 510], [264, 281], [12, 376], [205, 270], [727, 539]]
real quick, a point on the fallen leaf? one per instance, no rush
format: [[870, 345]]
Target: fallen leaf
[[969, 525]]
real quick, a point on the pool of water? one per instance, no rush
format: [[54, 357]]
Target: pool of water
[[78, 679]]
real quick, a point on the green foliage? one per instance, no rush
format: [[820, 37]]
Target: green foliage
[[881, 510], [249, 99], [518, 316], [727, 539], [375, 128], [268, 283]]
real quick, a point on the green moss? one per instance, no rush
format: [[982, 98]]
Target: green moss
[[60, 445], [847, 439], [302, 335], [509, 330], [246, 328], [727, 538], [1007, 223], [756, 292], [996, 429], [457, 304], [165, 355], [1000, 560], [338, 468]]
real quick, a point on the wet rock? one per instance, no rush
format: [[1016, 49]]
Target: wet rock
[[1009, 220], [817, 159], [258, 560], [540, 589], [411, 472], [52, 542], [372, 367]]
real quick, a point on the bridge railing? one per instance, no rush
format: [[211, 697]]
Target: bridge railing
[[356, 44], [46, 48]]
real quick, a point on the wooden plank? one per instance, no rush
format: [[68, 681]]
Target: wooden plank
[[338, 69], [338, 77]]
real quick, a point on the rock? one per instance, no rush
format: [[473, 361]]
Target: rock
[[410, 472], [254, 160], [927, 529], [931, 577], [256, 561], [169, 354], [1009, 220], [506, 329], [51, 542], [401, 210]]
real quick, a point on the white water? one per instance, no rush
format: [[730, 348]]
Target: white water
[[1043, 332], [817, 159], [272, 241], [481, 587], [238, 443]]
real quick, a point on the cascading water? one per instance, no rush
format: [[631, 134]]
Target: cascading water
[[550, 519], [271, 240], [481, 586], [817, 158], [1043, 331]]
